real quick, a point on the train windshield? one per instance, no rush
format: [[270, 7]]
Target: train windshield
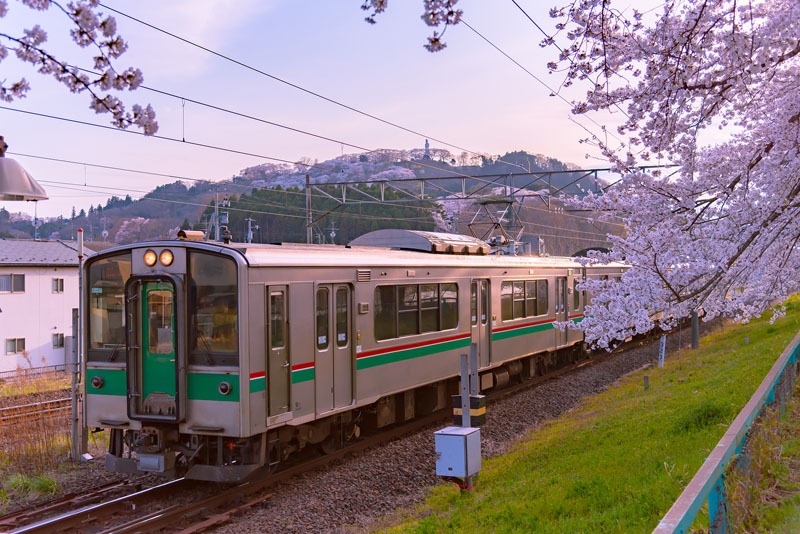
[[213, 316], [106, 283]]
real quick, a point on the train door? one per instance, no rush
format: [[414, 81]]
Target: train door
[[153, 384], [480, 321], [576, 311], [561, 309], [278, 362], [333, 347]]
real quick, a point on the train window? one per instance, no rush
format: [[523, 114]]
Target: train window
[[506, 306], [385, 313], [530, 298], [106, 317], [542, 305], [213, 316], [413, 309], [277, 319], [159, 322], [429, 307], [473, 304], [408, 312], [448, 295], [323, 318], [576, 295], [520, 298], [342, 303]]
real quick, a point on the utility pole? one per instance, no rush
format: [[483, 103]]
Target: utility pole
[[220, 218], [309, 219], [250, 228]]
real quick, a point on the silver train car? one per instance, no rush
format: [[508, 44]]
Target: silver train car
[[214, 360]]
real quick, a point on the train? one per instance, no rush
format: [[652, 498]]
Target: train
[[216, 360]]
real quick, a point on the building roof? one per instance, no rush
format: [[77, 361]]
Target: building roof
[[38, 253]]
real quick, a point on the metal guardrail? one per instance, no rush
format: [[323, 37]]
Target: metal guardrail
[[709, 483], [19, 374]]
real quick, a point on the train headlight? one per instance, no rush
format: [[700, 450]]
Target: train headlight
[[97, 382], [150, 258], [166, 257], [224, 388]]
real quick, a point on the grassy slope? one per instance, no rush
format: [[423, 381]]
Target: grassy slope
[[618, 462]]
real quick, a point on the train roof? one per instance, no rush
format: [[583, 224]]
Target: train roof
[[393, 248]]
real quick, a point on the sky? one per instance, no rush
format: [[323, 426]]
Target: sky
[[469, 96]]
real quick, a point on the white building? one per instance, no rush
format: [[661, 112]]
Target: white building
[[38, 291]]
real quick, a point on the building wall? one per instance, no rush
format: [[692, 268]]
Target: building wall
[[36, 315]]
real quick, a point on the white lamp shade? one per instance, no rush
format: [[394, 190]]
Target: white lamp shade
[[17, 184]]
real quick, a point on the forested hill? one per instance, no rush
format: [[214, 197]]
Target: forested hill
[[270, 200]]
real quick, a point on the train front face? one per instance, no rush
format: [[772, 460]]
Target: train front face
[[162, 359]]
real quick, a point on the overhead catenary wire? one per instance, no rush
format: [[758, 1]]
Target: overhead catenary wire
[[553, 92], [281, 80], [251, 117], [269, 122], [250, 188], [308, 91], [106, 191]]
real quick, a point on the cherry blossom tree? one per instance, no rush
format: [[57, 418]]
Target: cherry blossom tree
[[89, 29], [713, 86], [436, 14]]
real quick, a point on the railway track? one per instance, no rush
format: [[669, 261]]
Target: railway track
[[114, 516], [23, 412], [149, 510]]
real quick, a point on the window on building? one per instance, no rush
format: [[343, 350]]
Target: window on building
[[58, 285], [58, 341], [15, 345], [12, 283]]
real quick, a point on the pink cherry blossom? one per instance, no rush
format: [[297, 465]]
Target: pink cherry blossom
[[720, 233], [89, 28]]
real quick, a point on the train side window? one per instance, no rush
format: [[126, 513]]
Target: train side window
[[429, 307], [506, 304], [408, 310], [385, 312], [342, 305], [277, 319], [530, 298], [323, 318], [411, 309], [473, 304], [542, 304], [519, 299], [448, 293], [576, 295]]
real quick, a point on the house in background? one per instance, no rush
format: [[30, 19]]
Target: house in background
[[38, 291]]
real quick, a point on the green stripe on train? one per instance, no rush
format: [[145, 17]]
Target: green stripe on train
[[201, 386], [408, 354], [114, 382], [521, 331], [303, 375], [258, 385]]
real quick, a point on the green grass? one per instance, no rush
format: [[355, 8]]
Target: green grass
[[619, 461]]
